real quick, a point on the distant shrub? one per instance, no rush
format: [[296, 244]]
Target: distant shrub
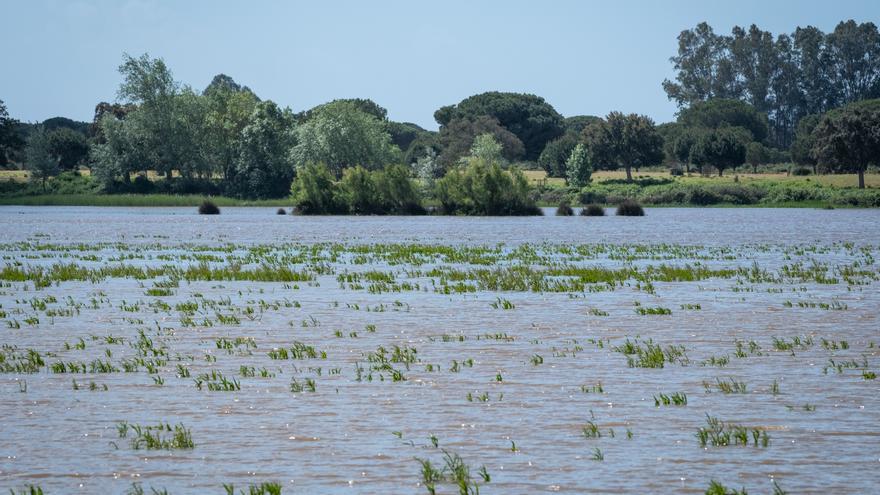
[[593, 211], [676, 171], [801, 171], [208, 208], [482, 187], [281, 211], [564, 210], [630, 209]]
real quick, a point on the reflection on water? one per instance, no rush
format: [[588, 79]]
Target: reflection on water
[[553, 352]]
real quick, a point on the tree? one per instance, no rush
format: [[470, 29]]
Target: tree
[[404, 133], [529, 117], [575, 124], [721, 148], [367, 106], [624, 141], [38, 157], [457, 137], [265, 166], [486, 147], [556, 153], [229, 111], [225, 85], [848, 140], [802, 146], [715, 113], [757, 154], [579, 166], [314, 192], [483, 188], [704, 69], [10, 141], [69, 147], [854, 52], [341, 135]]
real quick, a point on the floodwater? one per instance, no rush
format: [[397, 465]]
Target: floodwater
[[511, 390]]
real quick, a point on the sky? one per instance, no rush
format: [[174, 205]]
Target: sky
[[60, 58]]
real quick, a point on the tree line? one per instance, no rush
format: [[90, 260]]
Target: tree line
[[747, 98]]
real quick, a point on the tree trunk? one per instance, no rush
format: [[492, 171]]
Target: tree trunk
[[687, 168], [629, 176], [861, 178], [720, 171]]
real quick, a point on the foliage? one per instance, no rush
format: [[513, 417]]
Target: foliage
[[719, 112], [208, 207], [482, 188], [802, 146], [457, 137], [529, 117], [314, 192], [9, 138], [629, 208], [721, 148], [39, 159], [557, 152], [624, 141], [485, 147], [848, 140], [342, 135], [757, 154], [579, 166], [69, 147], [786, 77], [265, 168]]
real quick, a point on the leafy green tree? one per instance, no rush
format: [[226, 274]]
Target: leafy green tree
[[802, 146], [757, 154], [624, 141], [404, 133], [579, 166], [575, 124], [358, 191], [529, 117], [39, 159], [854, 52], [556, 153], [68, 146], [848, 140], [396, 190], [486, 147], [10, 141], [265, 166], [229, 111], [722, 148], [484, 188], [457, 137], [341, 135], [715, 113], [123, 149], [314, 193], [703, 66], [365, 105]]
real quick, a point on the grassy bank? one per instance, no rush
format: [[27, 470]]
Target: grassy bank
[[131, 200]]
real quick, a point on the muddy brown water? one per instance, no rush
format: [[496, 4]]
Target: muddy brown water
[[354, 436]]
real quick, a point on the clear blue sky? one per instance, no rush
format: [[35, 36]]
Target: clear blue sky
[[584, 57]]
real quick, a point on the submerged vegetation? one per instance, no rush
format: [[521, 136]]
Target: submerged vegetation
[[473, 327]]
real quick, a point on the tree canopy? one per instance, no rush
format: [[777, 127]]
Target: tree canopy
[[848, 140], [624, 140], [529, 117]]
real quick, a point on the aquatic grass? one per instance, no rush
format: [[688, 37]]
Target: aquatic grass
[[716, 488], [162, 436], [675, 399], [721, 434], [264, 488]]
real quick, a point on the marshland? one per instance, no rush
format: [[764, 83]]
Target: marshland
[[160, 350]]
